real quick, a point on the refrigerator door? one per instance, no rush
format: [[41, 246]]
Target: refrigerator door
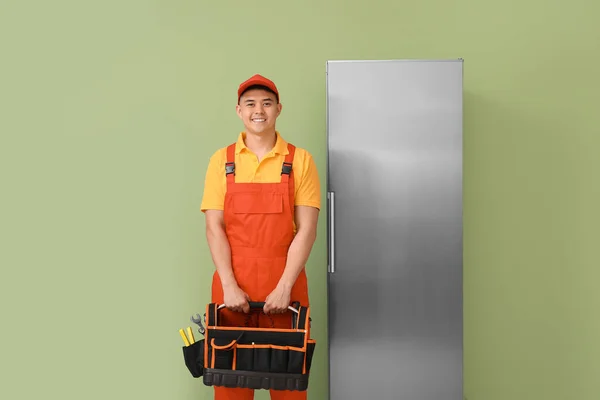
[[395, 229]]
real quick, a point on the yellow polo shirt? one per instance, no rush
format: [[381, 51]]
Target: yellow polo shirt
[[248, 169]]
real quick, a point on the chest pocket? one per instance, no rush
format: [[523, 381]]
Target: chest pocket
[[258, 203]]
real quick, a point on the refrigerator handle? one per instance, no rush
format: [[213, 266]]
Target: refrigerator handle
[[331, 235]]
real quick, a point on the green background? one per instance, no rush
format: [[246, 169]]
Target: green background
[[110, 111]]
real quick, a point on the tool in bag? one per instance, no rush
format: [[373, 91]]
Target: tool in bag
[[250, 357]]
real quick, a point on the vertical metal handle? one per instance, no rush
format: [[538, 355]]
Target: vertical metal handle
[[331, 236]]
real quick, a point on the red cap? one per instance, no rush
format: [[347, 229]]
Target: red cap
[[257, 80]]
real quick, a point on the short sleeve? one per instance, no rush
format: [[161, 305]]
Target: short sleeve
[[214, 191], [308, 191]]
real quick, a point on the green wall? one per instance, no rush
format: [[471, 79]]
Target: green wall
[[111, 109]]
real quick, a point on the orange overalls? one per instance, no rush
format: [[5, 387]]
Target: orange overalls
[[259, 223]]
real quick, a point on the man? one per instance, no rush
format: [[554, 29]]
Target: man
[[261, 202]]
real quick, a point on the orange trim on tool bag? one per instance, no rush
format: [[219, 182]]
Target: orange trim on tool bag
[[235, 328], [269, 346], [225, 347], [306, 338], [206, 345], [274, 346], [212, 358], [254, 346], [246, 346], [234, 358], [307, 326], [293, 348]]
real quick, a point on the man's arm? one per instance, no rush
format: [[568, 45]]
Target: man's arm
[[219, 246], [298, 253], [235, 298]]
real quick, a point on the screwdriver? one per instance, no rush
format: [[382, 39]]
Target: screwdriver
[[191, 335], [185, 339]]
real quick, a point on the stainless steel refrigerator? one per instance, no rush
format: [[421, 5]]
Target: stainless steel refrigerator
[[395, 134]]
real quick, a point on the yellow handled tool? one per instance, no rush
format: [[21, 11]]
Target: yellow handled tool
[[191, 337], [185, 339]]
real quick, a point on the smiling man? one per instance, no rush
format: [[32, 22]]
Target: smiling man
[[261, 201]]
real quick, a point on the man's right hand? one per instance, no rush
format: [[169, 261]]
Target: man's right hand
[[236, 299]]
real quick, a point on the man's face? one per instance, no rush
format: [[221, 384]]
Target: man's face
[[258, 109]]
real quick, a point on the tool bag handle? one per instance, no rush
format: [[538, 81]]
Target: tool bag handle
[[259, 305], [300, 321]]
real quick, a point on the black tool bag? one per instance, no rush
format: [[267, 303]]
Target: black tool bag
[[254, 358]]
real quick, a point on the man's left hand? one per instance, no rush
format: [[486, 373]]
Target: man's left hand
[[278, 301]]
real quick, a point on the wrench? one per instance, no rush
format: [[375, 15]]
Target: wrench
[[198, 321]]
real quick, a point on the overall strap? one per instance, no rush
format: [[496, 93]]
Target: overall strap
[[286, 168], [287, 176], [230, 164]]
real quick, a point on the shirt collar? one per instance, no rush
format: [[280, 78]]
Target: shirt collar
[[281, 146]]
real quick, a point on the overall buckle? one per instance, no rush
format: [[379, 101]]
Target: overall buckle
[[286, 168]]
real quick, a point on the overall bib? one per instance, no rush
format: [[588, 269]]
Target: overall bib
[[259, 223]]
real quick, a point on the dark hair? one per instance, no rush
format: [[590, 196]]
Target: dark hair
[[260, 87]]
